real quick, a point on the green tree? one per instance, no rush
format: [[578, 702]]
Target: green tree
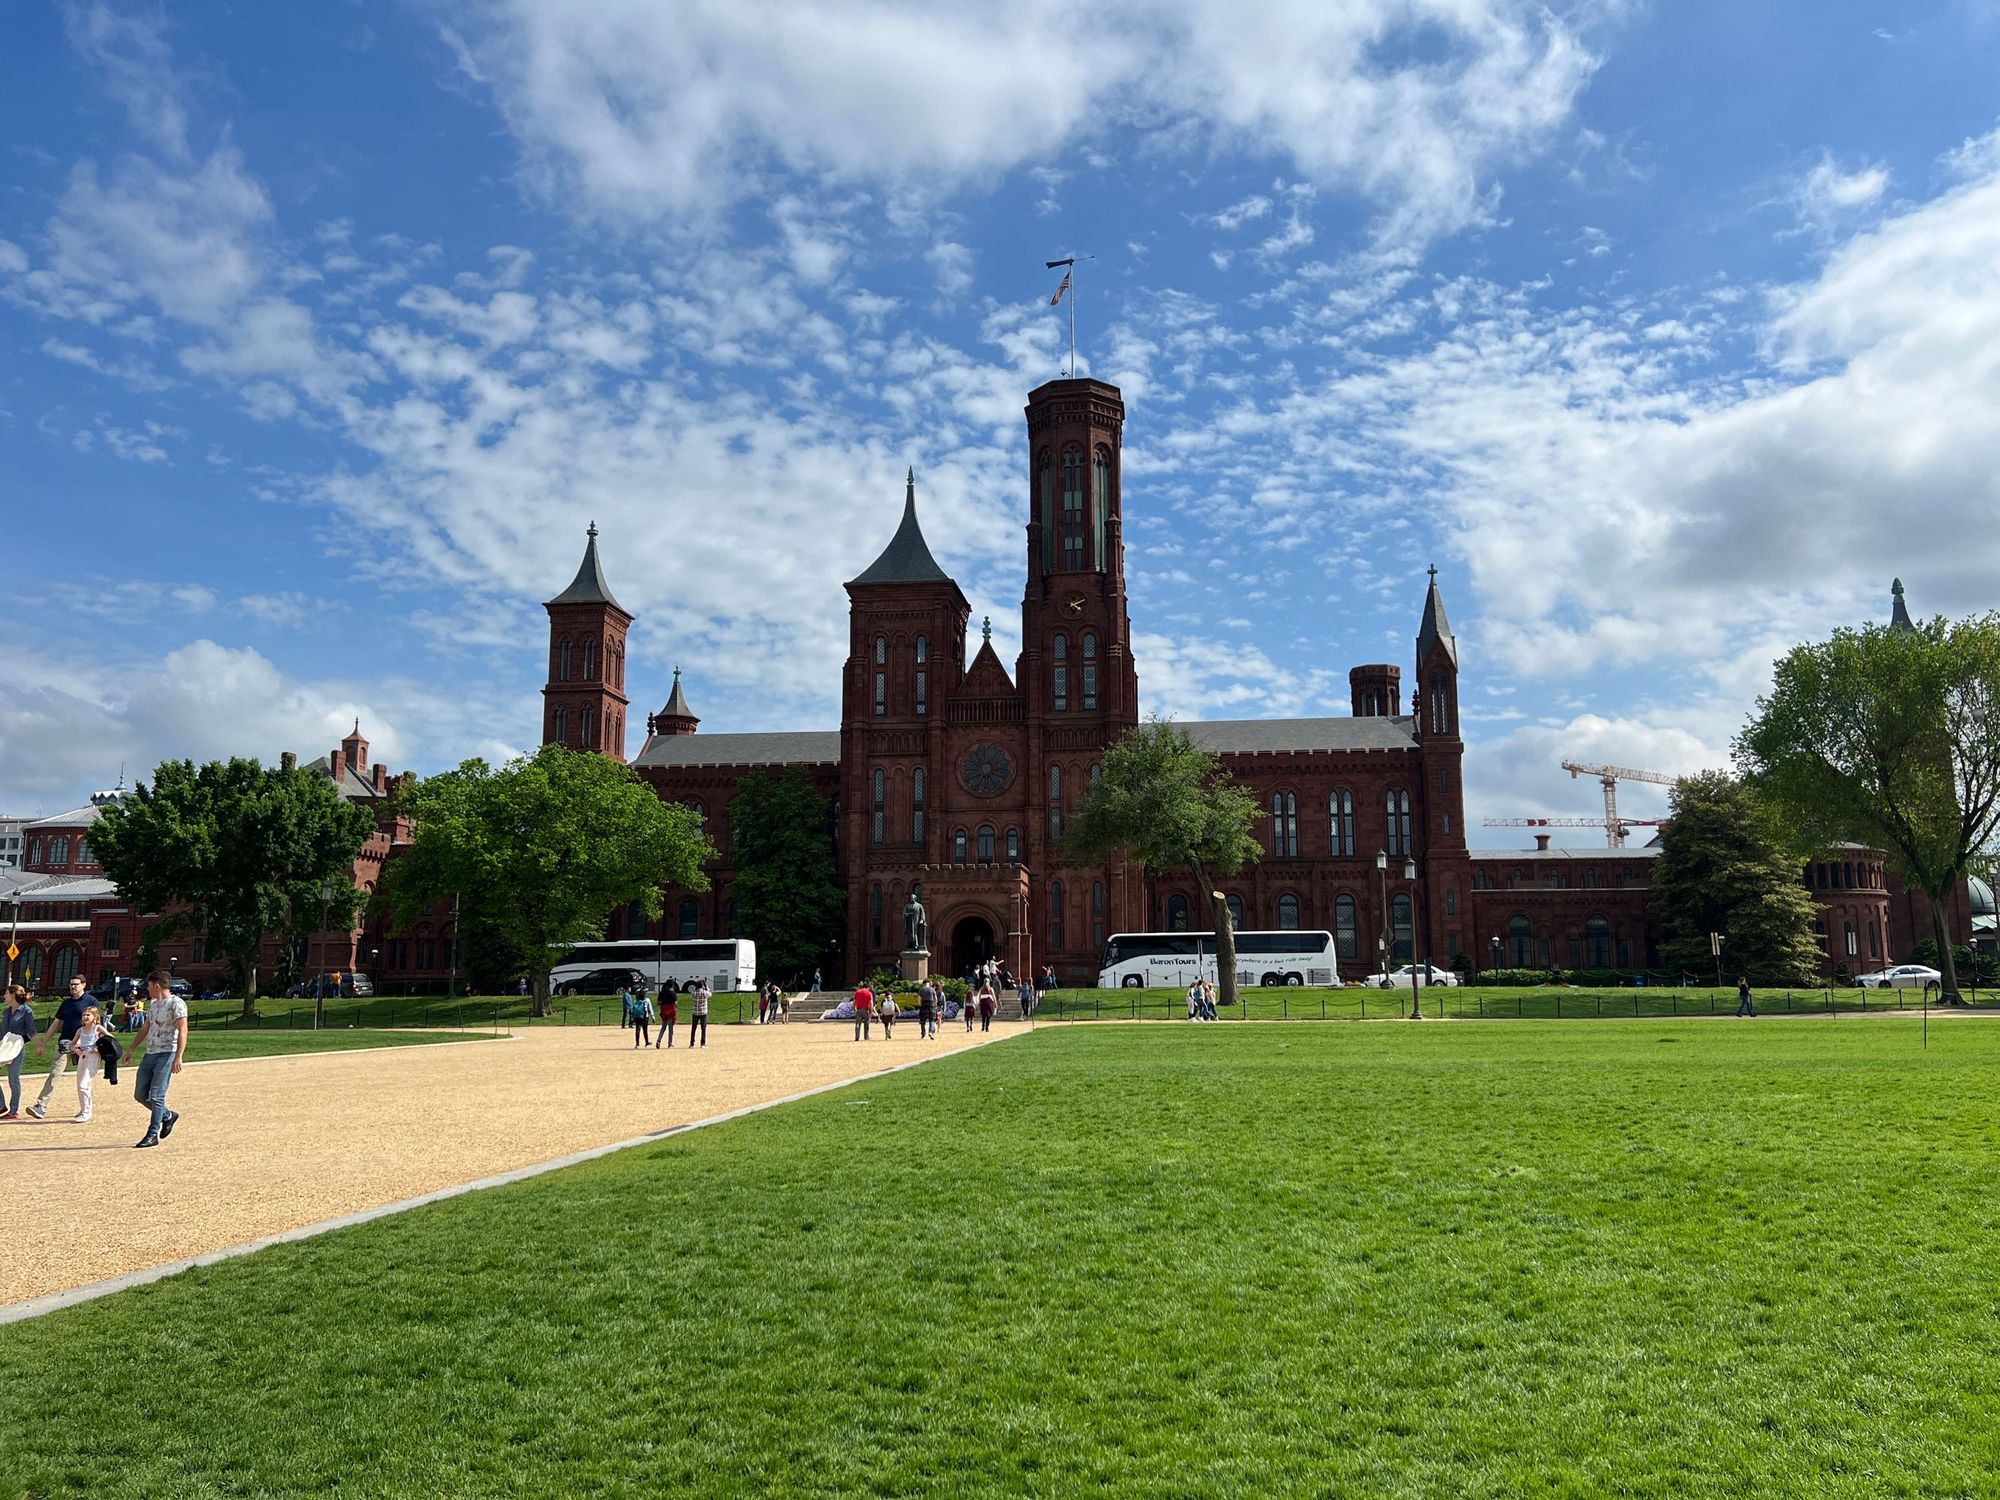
[[1719, 870], [1170, 805], [237, 851], [541, 850], [1889, 736], [788, 895]]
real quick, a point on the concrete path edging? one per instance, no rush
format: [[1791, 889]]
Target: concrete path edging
[[21, 1312]]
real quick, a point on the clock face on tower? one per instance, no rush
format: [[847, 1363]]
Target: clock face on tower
[[986, 771], [1074, 604]]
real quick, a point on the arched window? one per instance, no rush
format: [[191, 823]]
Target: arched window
[[1847, 932], [1874, 939], [881, 651], [986, 843], [875, 915], [958, 846], [1013, 846], [1440, 705], [114, 939], [1059, 674], [1340, 822], [562, 726], [690, 920], [917, 805], [1096, 775], [923, 650], [1398, 805], [1520, 943], [1048, 496], [1284, 825], [590, 660], [1089, 672], [64, 967], [1055, 914], [1235, 904], [587, 728], [1597, 943], [562, 661], [1097, 913], [1055, 805], [1345, 940], [1072, 510], [878, 817], [1402, 931], [59, 850], [35, 845], [1177, 914], [1100, 493], [1288, 912], [1451, 901], [923, 677], [700, 816]]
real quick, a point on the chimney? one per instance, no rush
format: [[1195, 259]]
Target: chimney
[[336, 766], [289, 760], [1541, 843], [381, 778]]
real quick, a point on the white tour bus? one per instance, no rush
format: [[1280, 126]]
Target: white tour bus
[[1171, 960], [726, 963]]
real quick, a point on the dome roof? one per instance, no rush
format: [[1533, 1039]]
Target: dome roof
[[1982, 897]]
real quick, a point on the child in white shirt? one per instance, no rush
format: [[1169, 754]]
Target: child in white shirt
[[87, 1060]]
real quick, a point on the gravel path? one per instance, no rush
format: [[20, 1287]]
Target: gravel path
[[270, 1144]]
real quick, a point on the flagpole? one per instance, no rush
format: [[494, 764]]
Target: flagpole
[[1075, 291]]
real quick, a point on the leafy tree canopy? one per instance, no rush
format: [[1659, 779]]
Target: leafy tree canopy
[[235, 850], [788, 895], [1890, 737], [541, 850], [1719, 870], [1170, 805]]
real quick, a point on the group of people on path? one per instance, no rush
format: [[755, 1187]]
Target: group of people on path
[[640, 1014], [78, 1033], [1201, 1001]]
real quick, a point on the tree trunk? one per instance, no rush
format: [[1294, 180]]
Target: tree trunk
[[1947, 961], [249, 973], [538, 990], [1225, 937]]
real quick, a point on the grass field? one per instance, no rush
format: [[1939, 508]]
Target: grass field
[[1656, 1259]]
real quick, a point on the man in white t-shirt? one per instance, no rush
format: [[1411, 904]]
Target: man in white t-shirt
[[163, 1040]]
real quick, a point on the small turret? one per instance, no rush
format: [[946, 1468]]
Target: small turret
[[1377, 690], [676, 717]]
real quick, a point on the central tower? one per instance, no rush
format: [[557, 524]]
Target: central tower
[[1076, 661]]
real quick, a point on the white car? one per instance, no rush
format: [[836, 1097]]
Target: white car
[[1901, 977], [1427, 974]]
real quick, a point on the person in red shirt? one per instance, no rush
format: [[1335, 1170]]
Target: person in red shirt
[[864, 1010]]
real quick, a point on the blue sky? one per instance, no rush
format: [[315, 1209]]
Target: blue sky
[[1669, 333]]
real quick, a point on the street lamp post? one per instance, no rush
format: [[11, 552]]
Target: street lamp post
[[1410, 877], [319, 980], [1496, 950]]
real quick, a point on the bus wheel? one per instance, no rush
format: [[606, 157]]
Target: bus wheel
[[1269, 981], [1295, 979], [1133, 982]]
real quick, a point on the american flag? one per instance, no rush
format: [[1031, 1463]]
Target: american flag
[[1061, 289]]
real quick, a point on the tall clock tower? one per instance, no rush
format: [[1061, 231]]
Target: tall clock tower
[[1076, 661]]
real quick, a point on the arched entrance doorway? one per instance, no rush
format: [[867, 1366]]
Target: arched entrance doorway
[[971, 943]]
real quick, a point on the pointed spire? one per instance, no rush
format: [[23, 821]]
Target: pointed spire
[[589, 587], [1899, 613], [1436, 629], [907, 558], [677, 703], [676, 717]]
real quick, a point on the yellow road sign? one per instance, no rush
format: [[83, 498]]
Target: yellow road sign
[[13, 951]]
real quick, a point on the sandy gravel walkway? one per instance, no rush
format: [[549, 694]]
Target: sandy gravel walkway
[[270, 1144]]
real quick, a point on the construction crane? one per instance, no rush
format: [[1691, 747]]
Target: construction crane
[[1610, 776]]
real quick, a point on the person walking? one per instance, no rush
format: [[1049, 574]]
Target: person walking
[[19, 1021], [781, 1004], [1744, 1005], [62, 1032], [698, 1013], [986, 1006], [815, 981], [1027, 995], [642, 1018], [763, 1002], [864, 1011], [88, 1063], [927, 1009], [968, 1009], [164, 1040], [1194, 1000], [669, 1013], [888, 1012]]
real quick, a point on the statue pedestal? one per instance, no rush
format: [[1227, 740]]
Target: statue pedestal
[[916, 965]]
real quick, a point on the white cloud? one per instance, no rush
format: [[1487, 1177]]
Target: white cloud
[[1825, 195], [657, 114], [951, 263]]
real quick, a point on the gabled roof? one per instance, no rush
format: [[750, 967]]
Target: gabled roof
[[352, 784], [812, 747], [907, 558], [80, 817], [1269, 736], [1435, 628], [589, 587], [986, 677]]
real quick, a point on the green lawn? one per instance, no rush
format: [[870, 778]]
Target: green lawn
[[1660, 1259]]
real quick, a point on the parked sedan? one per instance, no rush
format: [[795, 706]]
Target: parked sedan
[[602, 982], [1901, 977], [1427, 974]]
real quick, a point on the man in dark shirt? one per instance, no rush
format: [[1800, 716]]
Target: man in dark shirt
[[68, 1021]]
